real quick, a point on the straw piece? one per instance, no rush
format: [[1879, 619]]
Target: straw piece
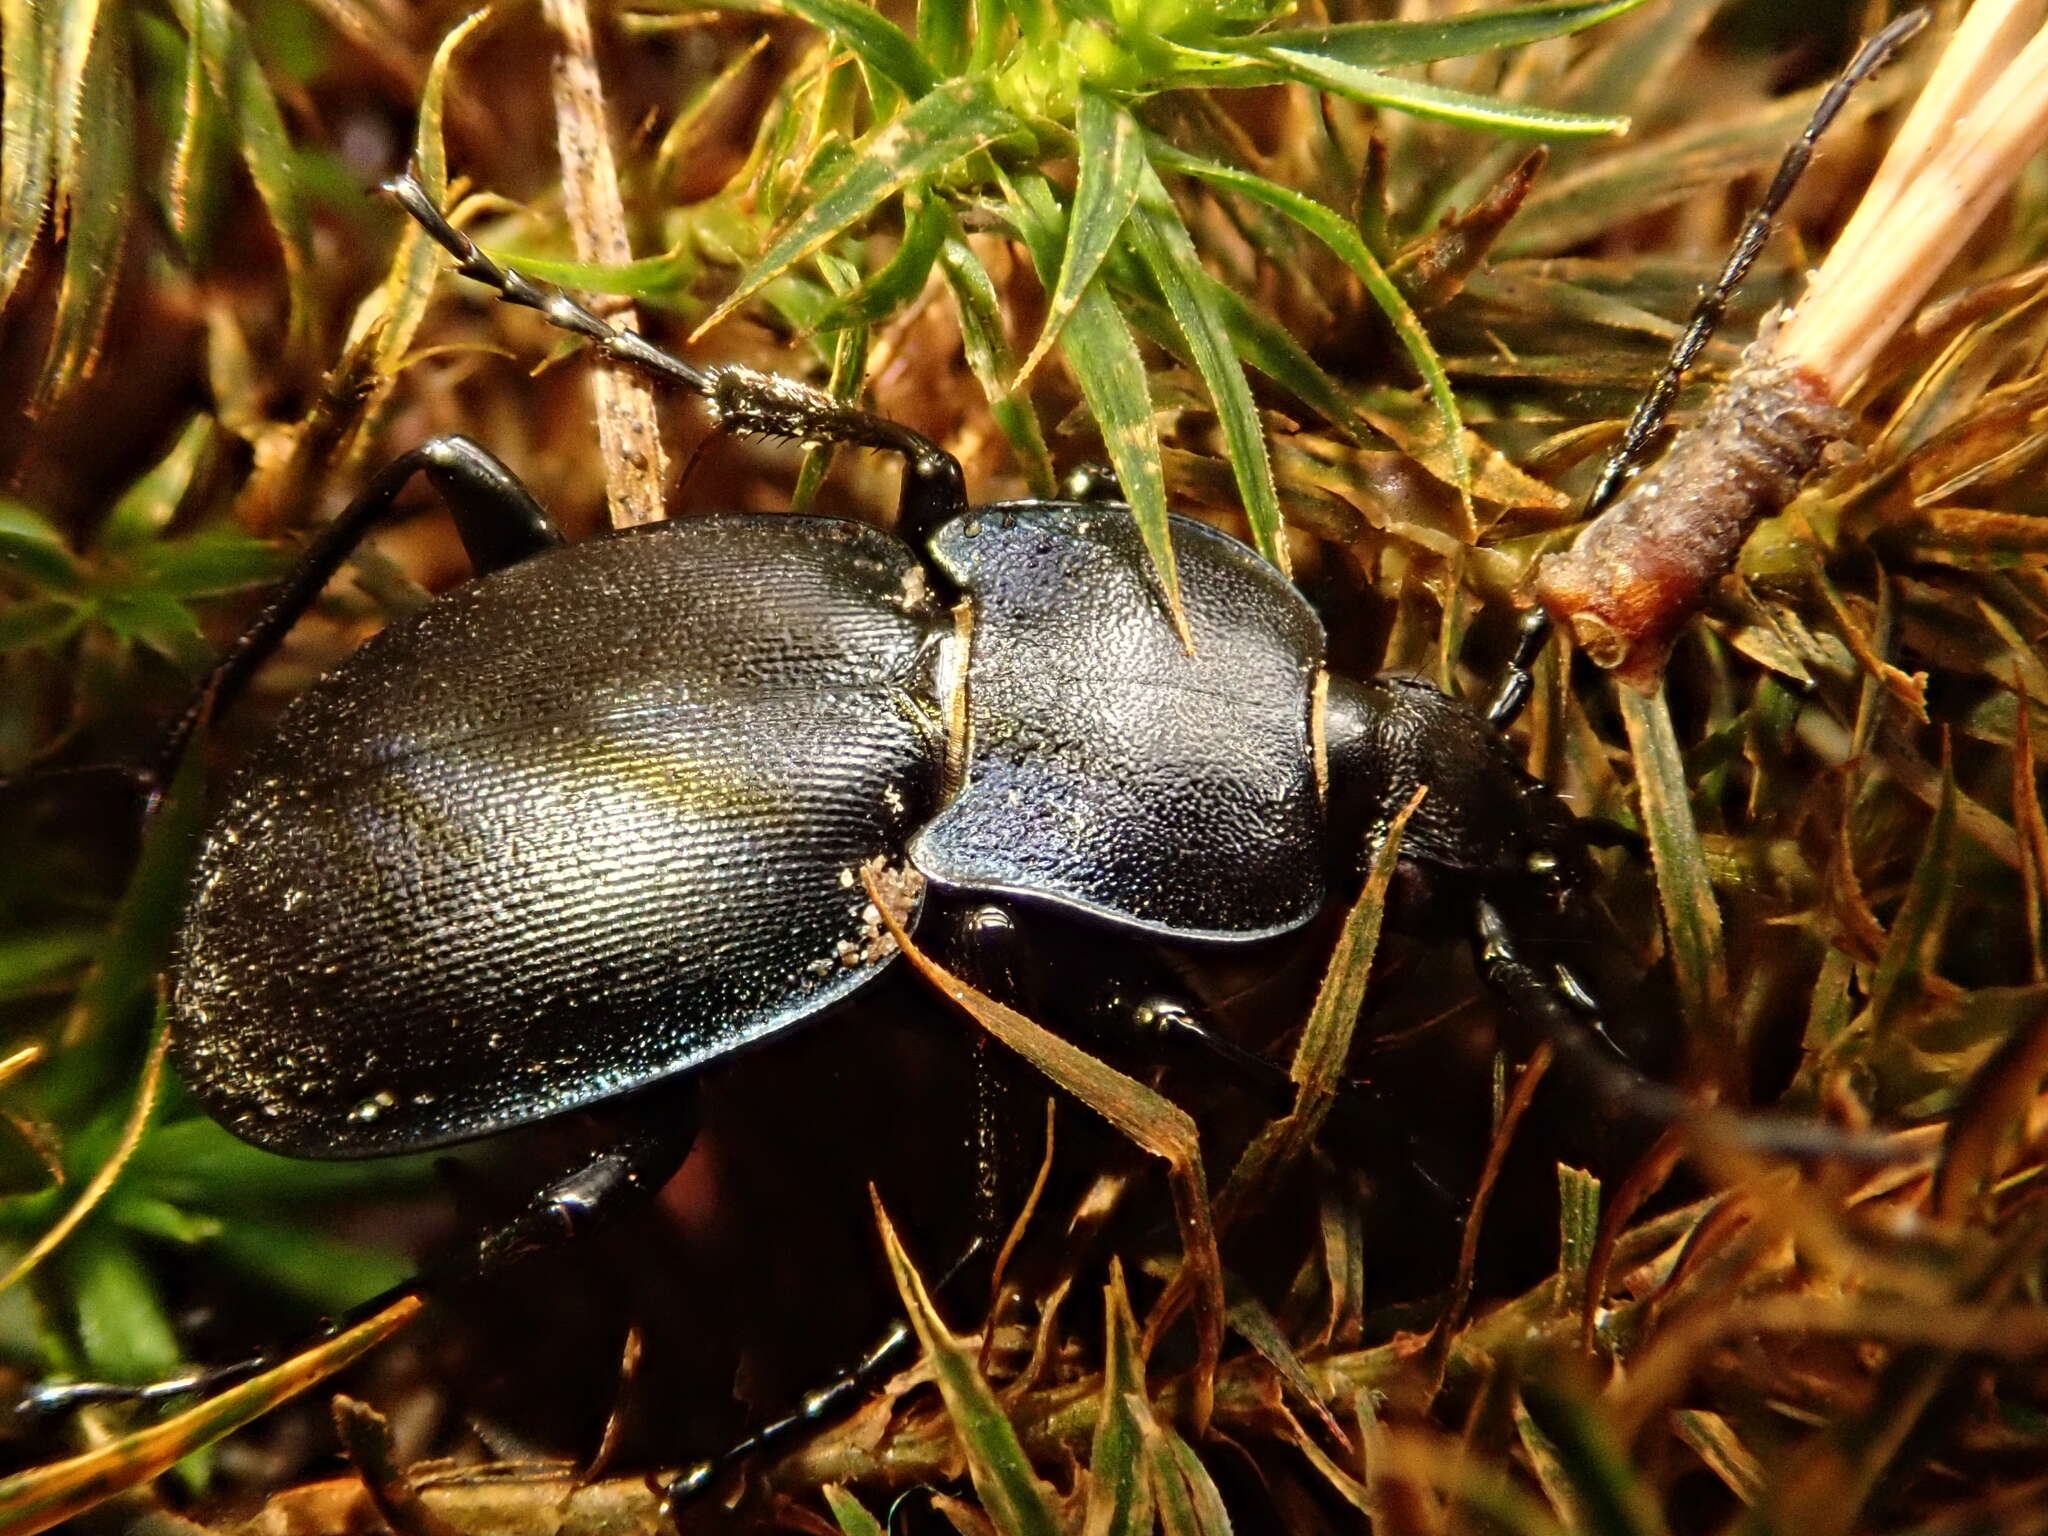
[[1856, 304]]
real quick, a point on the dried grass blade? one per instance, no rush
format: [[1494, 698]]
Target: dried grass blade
[[628, 427], [1325, 1044], [35, 1500], [1994, 1104], [1153, 1122], [101, 1184], [1715, 1442]]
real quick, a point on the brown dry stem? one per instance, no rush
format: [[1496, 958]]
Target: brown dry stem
[[636, 467]]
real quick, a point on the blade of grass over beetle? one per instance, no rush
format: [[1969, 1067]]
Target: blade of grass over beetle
[[1325, 1045], [1111, 154], [943, 127], [1170, 259], [1692, 916], [1107, 365], [36, 1500], [1386, 44], [1154, 1122], [1011, 1493], [1330, 227], [28, 134], [1913, 942]]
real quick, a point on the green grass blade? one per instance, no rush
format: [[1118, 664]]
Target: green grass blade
[[1168, 253], [28, 134], [267, 151], [122, 1330], [1111, 153], [1386, 44], [1099, 345], [73, 34], [1011, 1494], [146, 507], [1610, 1497], [901, 278], [1491, 114], [944, 30], [1692, 918], [1119, 1493], [946, 126], [871, 37], [1267, 345], [979, 309], [1330, 227], [33, 551], [1578, 1229], [849, 1513]]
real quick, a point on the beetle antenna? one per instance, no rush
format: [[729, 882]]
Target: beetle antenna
[[742, 399], [1713, 301], [554, 305], [1707, 315]]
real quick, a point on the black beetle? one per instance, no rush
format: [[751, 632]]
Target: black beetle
[[612, 811], [603, 815]]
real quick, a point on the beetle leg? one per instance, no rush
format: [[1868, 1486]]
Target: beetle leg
[[1520, 678], [1093, 481], [644, 1140], [1560, 1009], [985, 944], [818, 1407], [742, 399], [497, 517]]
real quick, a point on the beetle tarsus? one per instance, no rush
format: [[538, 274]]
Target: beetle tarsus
[[820, 1406]]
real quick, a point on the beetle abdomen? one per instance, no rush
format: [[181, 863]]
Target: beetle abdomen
[[1107, 768], [583, 823]]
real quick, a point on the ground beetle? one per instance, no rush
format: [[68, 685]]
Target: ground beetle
[[614, 811]]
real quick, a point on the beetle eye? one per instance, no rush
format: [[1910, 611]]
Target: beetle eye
[[1542, 862]]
